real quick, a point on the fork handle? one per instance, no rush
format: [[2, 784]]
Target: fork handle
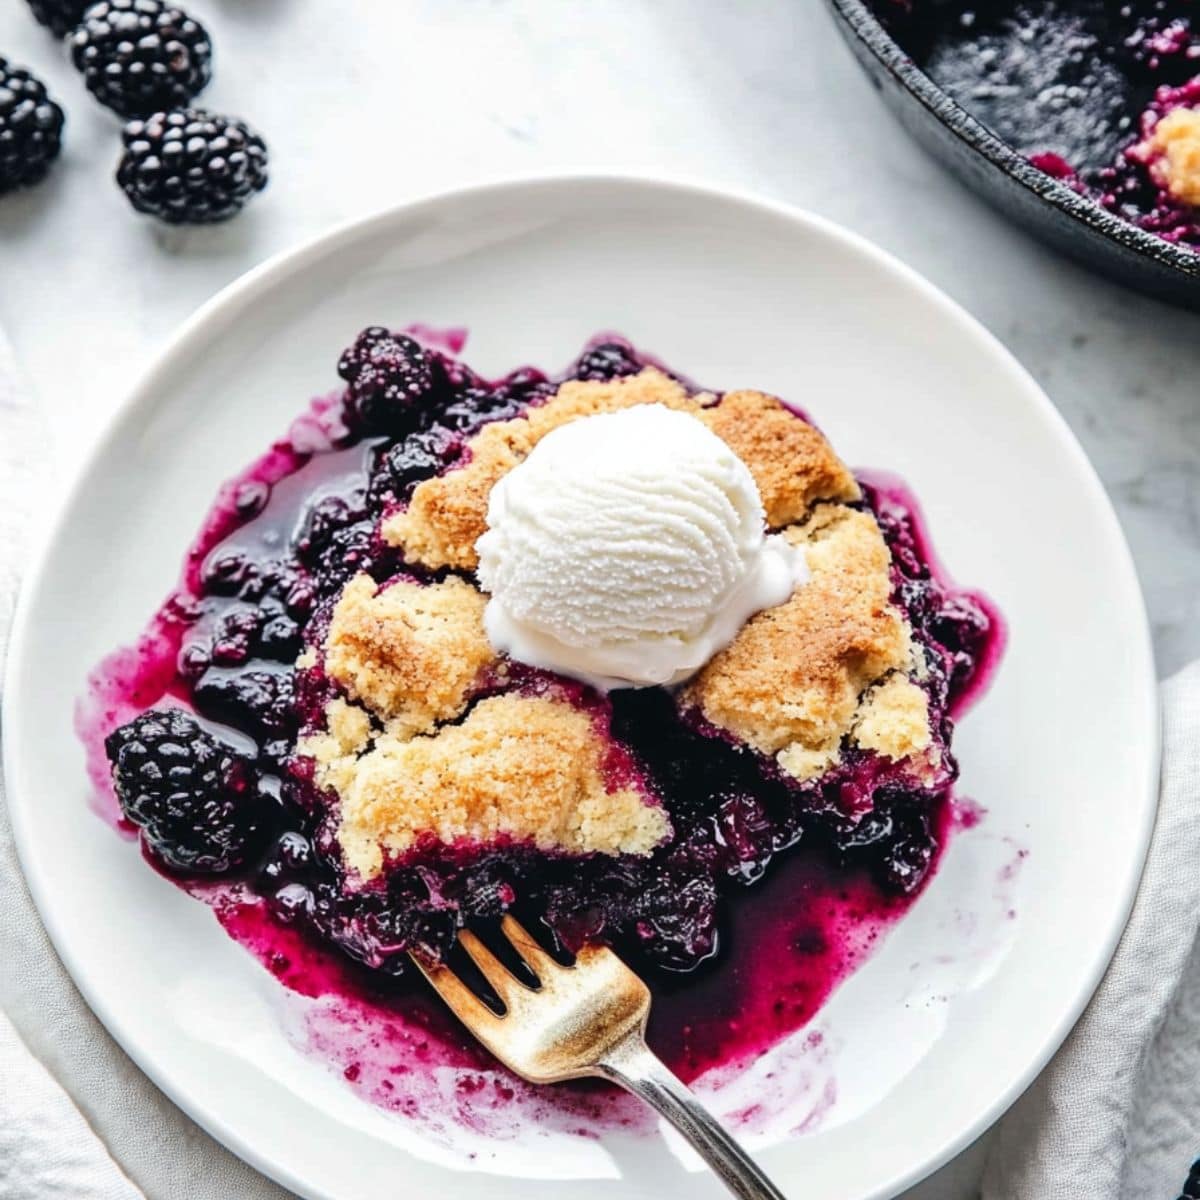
[[632, 1064]]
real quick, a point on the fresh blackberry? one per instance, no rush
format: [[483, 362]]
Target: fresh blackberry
[[191, 167], [60, 16], [30, 128], [195, 800], [388, 374], [141, 56]]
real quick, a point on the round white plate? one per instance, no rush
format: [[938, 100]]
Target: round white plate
[[951, 1019]]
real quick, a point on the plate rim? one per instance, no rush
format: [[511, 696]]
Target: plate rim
[[194, 330]]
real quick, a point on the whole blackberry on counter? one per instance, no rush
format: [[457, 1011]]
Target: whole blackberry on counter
[[141, 56], [61, 16], [30, 128], [191, 167], [196, 802]]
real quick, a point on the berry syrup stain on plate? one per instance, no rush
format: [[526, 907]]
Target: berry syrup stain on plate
[[734, 1008]]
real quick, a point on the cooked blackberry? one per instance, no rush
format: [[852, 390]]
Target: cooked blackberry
[[909, 852], [405, 463], [677, 921], [324, 520], [289, 860], [259, 700], [607, 360], [196, 802], [191, 167], [374, 928], [387, 373], [466, 416], [350, 550], [60, 16], [141, 56], [30, 128]]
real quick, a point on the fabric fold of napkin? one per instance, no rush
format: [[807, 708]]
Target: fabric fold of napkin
[[1116, 1114], [47, 1149]]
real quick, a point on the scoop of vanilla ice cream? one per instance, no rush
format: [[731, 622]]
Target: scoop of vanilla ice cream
[[627, 549]]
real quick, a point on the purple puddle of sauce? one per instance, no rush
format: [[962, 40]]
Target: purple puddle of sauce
[[893, 495], [787, 943]]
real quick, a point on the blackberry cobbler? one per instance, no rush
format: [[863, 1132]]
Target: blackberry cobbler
[[607, 649], [1104, 95]]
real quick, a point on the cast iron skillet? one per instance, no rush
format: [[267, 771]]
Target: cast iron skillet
[[1051, 210]]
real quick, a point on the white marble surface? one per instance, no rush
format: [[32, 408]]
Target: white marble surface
[[366, 102]]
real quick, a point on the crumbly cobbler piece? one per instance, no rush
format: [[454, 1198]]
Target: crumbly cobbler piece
[[448, 513], [348, 732], [531, 768], [1173, 153], [440, 770], [797, 682], [411, 652], [791, 461], [893, 719], [791, 683]]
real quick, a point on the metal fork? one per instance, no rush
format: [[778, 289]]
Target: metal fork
[[587, 1019]]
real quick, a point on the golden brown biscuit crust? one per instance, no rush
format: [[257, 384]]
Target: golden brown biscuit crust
[[527, 767], [411, 652], [893, 719], [1173, 151], [448, 513], [792, 463], [790, 460], [790, 683], [830, 665]]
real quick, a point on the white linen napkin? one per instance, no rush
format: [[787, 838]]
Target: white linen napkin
[[47, 1149], [1116, 1115]]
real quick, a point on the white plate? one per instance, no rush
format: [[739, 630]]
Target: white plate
[[945, 1025]]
